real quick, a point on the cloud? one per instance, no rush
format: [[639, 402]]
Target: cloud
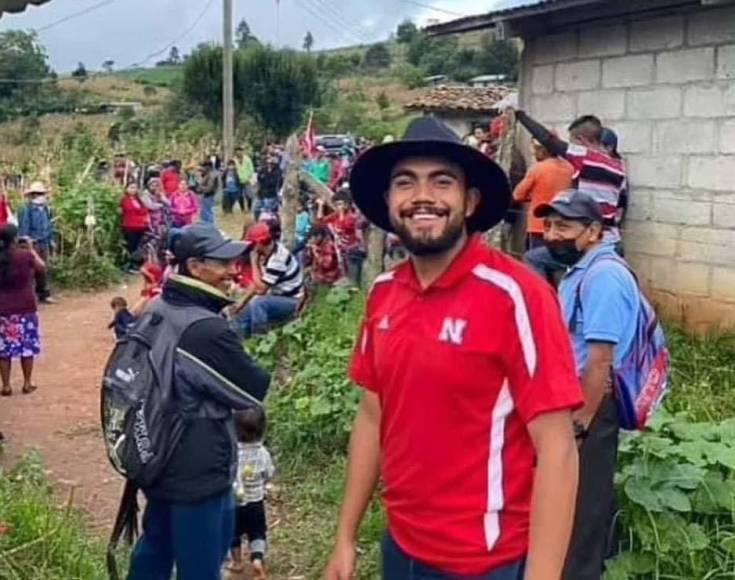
[[127, 31]]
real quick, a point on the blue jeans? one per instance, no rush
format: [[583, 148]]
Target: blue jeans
[[194, 536], [399, 566], [206, 213], [263, 311], [268, 204]]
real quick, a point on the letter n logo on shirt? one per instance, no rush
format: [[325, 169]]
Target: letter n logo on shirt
[[453, 331]]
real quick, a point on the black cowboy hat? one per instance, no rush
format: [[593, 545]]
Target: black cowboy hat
[[429, 137]]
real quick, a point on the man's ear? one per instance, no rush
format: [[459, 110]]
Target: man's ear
[[472, 200]]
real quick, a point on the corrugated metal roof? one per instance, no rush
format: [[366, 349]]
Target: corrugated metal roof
[[17, 5]]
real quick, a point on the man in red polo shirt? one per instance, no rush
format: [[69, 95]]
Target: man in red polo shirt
[[468, 380]]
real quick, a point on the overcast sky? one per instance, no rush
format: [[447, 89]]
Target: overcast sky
[[129, 31]]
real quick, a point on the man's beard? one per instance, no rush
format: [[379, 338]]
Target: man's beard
[[422, 246]]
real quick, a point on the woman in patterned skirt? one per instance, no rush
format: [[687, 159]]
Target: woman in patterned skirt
[[19, 336]]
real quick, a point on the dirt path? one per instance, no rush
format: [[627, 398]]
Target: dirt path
[[61, 418]]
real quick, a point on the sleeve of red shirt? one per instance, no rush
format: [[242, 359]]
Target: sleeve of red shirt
[[540, 363], [362, 368]]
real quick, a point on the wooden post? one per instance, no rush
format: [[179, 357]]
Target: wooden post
[[291, 188], [499, 236], [374, 264]]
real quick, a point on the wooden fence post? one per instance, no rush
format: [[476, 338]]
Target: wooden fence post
[[291, 188]]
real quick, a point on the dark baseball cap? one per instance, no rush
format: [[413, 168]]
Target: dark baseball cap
[[205, 241], [572, 204]]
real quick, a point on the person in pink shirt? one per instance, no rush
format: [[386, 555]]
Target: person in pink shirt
[[184, 205]]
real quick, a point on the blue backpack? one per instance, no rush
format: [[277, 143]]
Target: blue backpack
[[640, 381]]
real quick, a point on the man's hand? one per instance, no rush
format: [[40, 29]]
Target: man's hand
[[341, 564]]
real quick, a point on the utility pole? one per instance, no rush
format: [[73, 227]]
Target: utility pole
[[228, 97]]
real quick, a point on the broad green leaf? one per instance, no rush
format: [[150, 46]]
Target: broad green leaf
[[641, 493], [675, 499]]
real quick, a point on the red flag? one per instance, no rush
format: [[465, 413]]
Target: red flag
[[310, 137]]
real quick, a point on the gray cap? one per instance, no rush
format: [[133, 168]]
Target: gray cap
[[205, 241], [572, 204]]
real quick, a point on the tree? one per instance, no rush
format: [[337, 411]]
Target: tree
[[244, 36], [174, 56], [22, 59], [499, 57], [406, 31], [308, 41], [275, 87], [80, 73], [377, 56], [108, 65]]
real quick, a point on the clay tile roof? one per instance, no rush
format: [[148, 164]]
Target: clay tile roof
[[17, 5], [459, 98]]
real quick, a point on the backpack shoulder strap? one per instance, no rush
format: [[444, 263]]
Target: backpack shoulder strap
[[578, 291]]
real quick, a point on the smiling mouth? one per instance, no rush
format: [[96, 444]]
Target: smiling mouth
[[426, 214]]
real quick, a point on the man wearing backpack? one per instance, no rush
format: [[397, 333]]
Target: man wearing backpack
[[601, 302], [188, 519]]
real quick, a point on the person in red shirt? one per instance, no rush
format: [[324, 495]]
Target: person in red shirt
[[321, 255], [4, 209], [135, 222], [170, 177], [344, 225], [468, 380]]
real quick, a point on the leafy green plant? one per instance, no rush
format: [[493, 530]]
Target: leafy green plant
[[676, 490]]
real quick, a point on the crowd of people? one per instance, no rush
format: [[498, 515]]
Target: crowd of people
[[491, 396]]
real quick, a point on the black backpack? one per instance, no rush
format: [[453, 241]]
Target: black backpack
[[141, 425]]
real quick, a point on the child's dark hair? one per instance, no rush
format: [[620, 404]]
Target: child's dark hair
[[118, 303], [250, 425]]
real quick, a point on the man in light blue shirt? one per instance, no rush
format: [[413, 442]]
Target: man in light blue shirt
[[600, 302]]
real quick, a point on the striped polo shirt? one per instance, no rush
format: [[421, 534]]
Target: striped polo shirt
[[282, 273]]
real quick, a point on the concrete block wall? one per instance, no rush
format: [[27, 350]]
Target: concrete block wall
[[667, 86]]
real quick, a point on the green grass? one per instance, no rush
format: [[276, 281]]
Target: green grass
[[160, 76], [43, 540]]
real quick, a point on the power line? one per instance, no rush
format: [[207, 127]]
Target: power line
[[430, 7], [334, 28], [337, 22], [75, 15], [327, 7], [177, 39]]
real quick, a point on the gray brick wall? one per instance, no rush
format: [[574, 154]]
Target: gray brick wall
[[667, 86]]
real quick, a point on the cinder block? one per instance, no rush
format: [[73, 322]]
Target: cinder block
[[656, 103], [715, 254], [709, 101], [555, 48], [723, 214], [714, 173], [558, 107], [628, 71], [603, 41], [639, 205], [723, 284], [657, 34], [682, 136], [651, 238], [726, 61], [609, 105], [634, 136], [727, 137], [658, 171], [676, 276], [709, 236], [683, 66], [543, 80], [712, 27], [577, 76], [668, 209]]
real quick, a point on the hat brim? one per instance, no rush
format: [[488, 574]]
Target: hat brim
[[228, 251], [370, 180], [546, 209]]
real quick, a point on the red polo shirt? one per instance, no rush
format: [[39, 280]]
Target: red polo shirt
[[461, 368]]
